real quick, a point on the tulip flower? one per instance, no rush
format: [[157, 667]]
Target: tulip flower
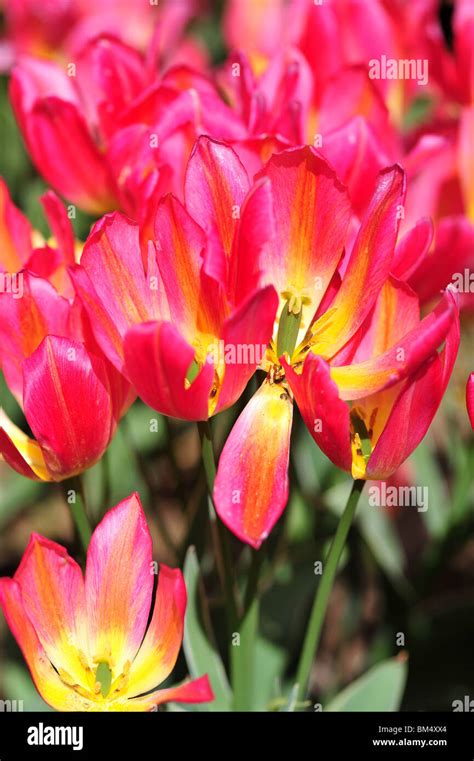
[[62, 382], [182, 328], [99, 642], [61, 29], [440, 167], [285, 106], [25, 248], [335, 35], [109, 132], [348, 347]]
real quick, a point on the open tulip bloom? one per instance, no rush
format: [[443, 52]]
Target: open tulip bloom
[[100, 642], [342, 337], [61, 380]]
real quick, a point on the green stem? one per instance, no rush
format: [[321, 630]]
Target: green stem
[[78, 511], [243, 655], [143, 470], [222, 548], [258, 557], [323, 591]]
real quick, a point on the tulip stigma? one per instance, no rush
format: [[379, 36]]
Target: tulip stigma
[[103, 677], [288, 329]]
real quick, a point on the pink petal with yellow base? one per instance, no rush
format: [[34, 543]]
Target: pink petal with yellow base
[[251, 486], [368, 266], [22, 453], [52, 589], [113, 262], [194, 301], [15, 233], [406, 356], [46, 679], [215, 187], [119, 584], [312, 210], [160, 648]]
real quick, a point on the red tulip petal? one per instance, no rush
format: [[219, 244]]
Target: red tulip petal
[[194, 691], [60, 225], [65, 394], [111, 283], [357, 156], [470, 398], [412, 249], [24, 323], [325, 414], [157, 361], [245, 336], [409, 416], [251, 487], [395, 313], [66, 156], [452, 253], [256, 230], [194, 300]]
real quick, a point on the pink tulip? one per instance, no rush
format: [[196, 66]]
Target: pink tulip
[[99, 642]]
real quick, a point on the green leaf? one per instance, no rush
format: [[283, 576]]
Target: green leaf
[[201, 655], [428, 474], [270, 665], [15, 493], [244, 660], [380, 689], [147, 428], [300, 518], [292, 701]]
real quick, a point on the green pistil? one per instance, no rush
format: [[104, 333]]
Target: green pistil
[[103, 675], [193, 371], [288, 328]]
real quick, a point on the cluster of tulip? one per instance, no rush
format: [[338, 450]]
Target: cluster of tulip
[[278, 206]]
